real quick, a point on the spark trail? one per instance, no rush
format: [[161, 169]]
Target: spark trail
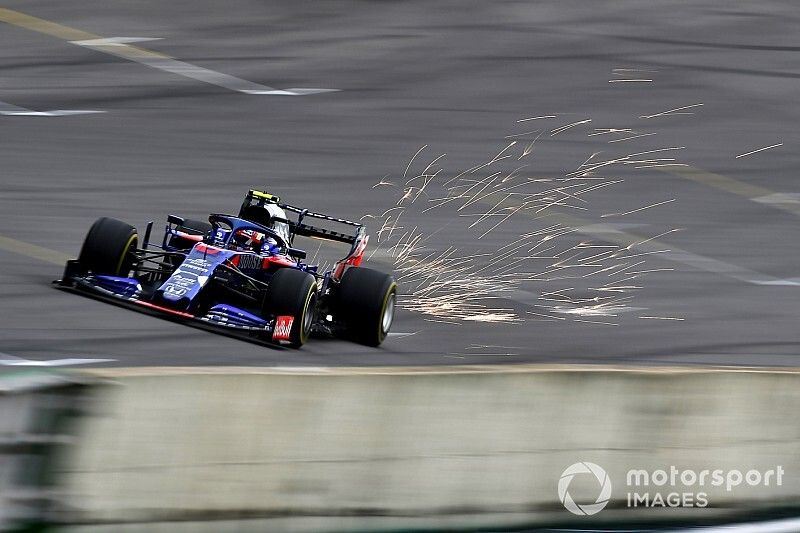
[[512, 256]]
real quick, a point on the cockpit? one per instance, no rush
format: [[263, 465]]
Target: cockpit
[[241, 235]]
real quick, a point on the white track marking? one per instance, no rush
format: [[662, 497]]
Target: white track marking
[[677, 255], [303, 91], [12, 360], [778, 282], [12, 110], [401, 334], [115, 41], [54, 113], [671, 253], [779, 198], [117, 46], [730, 185]]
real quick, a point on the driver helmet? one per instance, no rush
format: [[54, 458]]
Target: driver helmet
[[276, 219], [249, 239]]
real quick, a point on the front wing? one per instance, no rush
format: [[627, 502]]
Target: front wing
[[221, 318]]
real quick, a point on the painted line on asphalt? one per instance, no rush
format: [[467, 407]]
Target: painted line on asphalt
[[762, 195], [53, 362], [33, 251], [675, 254], [188, 70], [115, 41], [779, 199], [13, 360], [14, 110], [608, 233], [117, 46]]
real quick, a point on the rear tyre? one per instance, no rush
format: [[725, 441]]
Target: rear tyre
[[294, 293], [366, 304], [108, 248]]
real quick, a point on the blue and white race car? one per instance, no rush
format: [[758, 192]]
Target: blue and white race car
[[240, 274]]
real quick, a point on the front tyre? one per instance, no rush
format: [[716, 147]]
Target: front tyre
[[109, 248], [293, 293], [366, 303]]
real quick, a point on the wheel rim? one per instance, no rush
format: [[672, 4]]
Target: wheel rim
[[308, 317], [388, 314], [126, 259]]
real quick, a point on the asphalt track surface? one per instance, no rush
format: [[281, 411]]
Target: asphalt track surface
[[453, 76]]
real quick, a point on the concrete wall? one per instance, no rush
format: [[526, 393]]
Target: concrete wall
[[423, 448], [36, 411]]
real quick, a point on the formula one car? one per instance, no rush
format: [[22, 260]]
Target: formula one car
[[240, 274]]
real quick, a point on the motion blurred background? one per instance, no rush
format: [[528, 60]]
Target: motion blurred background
[[518, 140]]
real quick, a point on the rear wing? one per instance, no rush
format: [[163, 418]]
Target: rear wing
[[356, 237]]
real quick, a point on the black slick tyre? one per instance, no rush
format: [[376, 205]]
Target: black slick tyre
[[366, 304], [293, 293], [108, 248]]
